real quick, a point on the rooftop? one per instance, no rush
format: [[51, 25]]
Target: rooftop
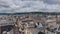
[[6, 22]]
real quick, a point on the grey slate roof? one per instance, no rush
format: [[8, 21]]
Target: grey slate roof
[[6, 22]]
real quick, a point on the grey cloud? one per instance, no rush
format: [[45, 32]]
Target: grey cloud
[[52, 1], [27, 6]]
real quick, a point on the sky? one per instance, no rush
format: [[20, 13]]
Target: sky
[[14, 6]]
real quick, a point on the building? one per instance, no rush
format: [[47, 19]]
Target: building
[[7, 26]]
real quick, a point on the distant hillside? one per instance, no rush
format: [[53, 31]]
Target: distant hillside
[[48, 13]]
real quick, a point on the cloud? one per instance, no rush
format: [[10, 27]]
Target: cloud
[[38, 6], [52, 1], [27, 6]]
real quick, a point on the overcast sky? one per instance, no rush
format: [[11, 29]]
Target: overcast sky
[[12, 6]]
